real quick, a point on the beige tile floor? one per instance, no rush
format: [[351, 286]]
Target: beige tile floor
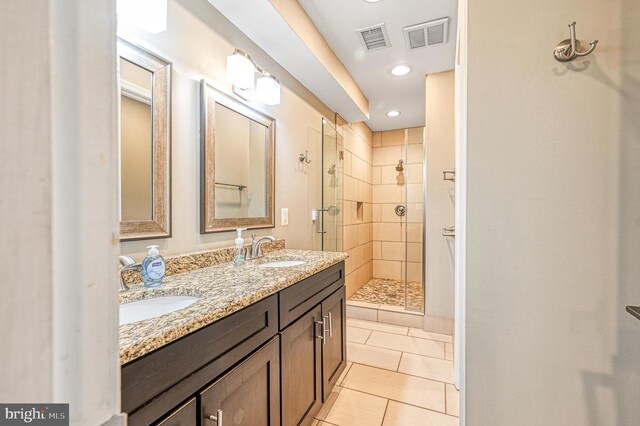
[[395, 376]]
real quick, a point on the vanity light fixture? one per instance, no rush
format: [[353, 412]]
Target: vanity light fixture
[[393, 113], [241, 73], [400, 70], [268, 89], [241, 70], [148, 15], [372, 1]]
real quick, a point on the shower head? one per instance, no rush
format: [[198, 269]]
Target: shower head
[[332, 169], [400, 166]]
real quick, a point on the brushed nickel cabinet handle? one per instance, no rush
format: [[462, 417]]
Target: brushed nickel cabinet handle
[[217, 418], [323, 337], [330, 325]]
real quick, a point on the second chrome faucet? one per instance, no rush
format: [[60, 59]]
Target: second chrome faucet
[[256, 245]]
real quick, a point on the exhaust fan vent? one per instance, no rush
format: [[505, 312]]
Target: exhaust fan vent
[[427, 33], [374, 37]]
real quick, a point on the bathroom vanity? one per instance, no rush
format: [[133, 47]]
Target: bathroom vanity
[[263, 345]]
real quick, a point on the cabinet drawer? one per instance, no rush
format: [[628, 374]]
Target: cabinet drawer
[[298, 299], [185, 415], [248, 395], [162, 379]]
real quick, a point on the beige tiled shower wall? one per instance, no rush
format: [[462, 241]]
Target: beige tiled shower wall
[[357, 204], [390, 188]]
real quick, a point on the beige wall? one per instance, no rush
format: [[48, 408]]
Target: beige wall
[[553, 206], [397, 241], [441, 194], [197, 41], [358, 228]]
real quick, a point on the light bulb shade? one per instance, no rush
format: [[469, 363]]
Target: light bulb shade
[[268, 90], [148, 15], [240, 71]]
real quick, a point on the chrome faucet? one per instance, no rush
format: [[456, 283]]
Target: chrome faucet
[[256, 245], [127, 264]]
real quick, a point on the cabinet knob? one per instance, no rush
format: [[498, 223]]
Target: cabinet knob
[[217, 418]]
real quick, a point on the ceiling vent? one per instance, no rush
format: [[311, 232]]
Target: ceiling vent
[[374, 37], [427, 34]]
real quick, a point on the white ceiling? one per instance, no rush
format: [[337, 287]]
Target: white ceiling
[[338, 21]]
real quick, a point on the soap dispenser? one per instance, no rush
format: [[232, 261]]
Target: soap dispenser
[[239, 258], [153, 268]]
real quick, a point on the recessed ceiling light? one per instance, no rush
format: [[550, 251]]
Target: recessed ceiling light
[[372, 1], [393, 113], [400, 70]]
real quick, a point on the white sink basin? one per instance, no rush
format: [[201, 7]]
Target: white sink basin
[[141, 310], [283, 264]]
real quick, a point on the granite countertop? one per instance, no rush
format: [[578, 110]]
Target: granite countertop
[[222, 289]]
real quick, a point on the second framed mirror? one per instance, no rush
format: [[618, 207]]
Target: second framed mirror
[[237, 164]]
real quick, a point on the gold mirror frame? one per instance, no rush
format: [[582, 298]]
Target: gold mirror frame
[[209, 223], [160, 224]]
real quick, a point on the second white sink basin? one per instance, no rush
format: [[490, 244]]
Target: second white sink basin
[[283, 264], [145, 309]]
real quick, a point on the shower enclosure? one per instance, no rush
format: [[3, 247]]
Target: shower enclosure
[[372, 207], [398, 202]]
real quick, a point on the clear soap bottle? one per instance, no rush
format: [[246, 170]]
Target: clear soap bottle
[[239, 258]]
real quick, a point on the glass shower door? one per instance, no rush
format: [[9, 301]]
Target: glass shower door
[[329, 213]]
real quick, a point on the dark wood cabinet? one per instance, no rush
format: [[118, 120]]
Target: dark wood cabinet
[[302, 369], [185, 415], [156, 383], [334, 349], [248, 395], [272, 363]]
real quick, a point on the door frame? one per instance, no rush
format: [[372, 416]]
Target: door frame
[[460, 272]]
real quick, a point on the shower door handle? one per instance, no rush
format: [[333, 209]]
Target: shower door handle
[[321, 230]]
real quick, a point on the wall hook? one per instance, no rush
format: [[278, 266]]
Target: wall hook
[[569, 49], [304, 158]]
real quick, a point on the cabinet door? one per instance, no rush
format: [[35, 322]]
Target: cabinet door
[[185, 415], [334, 351], [302, 369], [249, 395]]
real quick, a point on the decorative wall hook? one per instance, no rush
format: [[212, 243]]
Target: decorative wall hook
[[304, 158], [569, 49]]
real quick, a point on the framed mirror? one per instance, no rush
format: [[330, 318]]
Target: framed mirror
[[237, 164], [145, 144]]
